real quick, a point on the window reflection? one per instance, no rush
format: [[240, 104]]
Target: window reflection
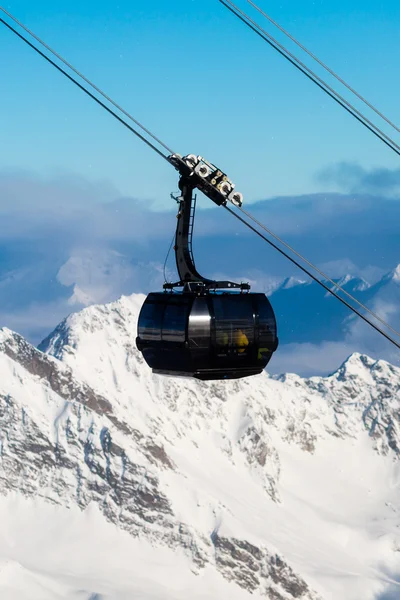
[[150, 321], [174, 323], [234, 323]]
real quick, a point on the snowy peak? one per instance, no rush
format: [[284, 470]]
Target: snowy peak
[[117, 318], [356, 366], [365, 392], [394, 275], [54, 375], [351, 282], [291, 282], [5, 334], [391, 279]]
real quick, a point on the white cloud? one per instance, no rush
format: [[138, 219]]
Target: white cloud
[[96, 274], [339, 267], [71, 210], [310, 359], [351, 177], [102, 275]]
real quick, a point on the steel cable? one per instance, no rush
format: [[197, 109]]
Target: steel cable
[[307, 272], [242, 16], [342, 81], [324, 275]]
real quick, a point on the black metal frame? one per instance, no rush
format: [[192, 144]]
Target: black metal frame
[[190, 278]]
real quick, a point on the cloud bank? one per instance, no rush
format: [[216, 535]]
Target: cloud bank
[[353, 178]]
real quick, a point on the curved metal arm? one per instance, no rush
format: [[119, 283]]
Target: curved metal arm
[[183, 238], [190, 278]]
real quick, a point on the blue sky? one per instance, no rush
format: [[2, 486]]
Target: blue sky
[[204, 83]]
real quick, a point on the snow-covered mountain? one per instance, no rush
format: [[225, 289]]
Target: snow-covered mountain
[[116, 483]]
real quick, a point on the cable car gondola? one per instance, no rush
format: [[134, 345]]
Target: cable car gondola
[[204, 331]]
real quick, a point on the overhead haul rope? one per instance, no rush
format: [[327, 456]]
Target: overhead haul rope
[[337, 77], [140, 136], [242, 16], [321, 283]]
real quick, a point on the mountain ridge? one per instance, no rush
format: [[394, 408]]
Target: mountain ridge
[[232, 474]]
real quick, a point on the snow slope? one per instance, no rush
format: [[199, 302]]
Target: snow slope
[[49, 553], [267, 487]]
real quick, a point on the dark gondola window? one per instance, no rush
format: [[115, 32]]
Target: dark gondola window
[[267, 340], [234, 323], [174, 323], [267, 323], [150, 321]]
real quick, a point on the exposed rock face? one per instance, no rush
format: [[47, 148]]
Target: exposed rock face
[[244, 476], [255, 569], [74, 457], [364, 391]]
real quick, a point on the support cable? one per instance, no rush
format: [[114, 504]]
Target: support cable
[[324, 275], [166, 259], [307, 272], [342, 81], [67, 64], [242, 16]]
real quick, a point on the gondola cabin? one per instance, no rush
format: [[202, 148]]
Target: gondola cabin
[[211, 336], [204, 331]]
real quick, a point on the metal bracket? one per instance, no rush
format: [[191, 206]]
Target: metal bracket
[[207, 178]]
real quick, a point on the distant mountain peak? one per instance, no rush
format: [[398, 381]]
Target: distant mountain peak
[[345, 279], [356, 358], [5, 334], [394, 275], [357, 283], [290, 282]]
